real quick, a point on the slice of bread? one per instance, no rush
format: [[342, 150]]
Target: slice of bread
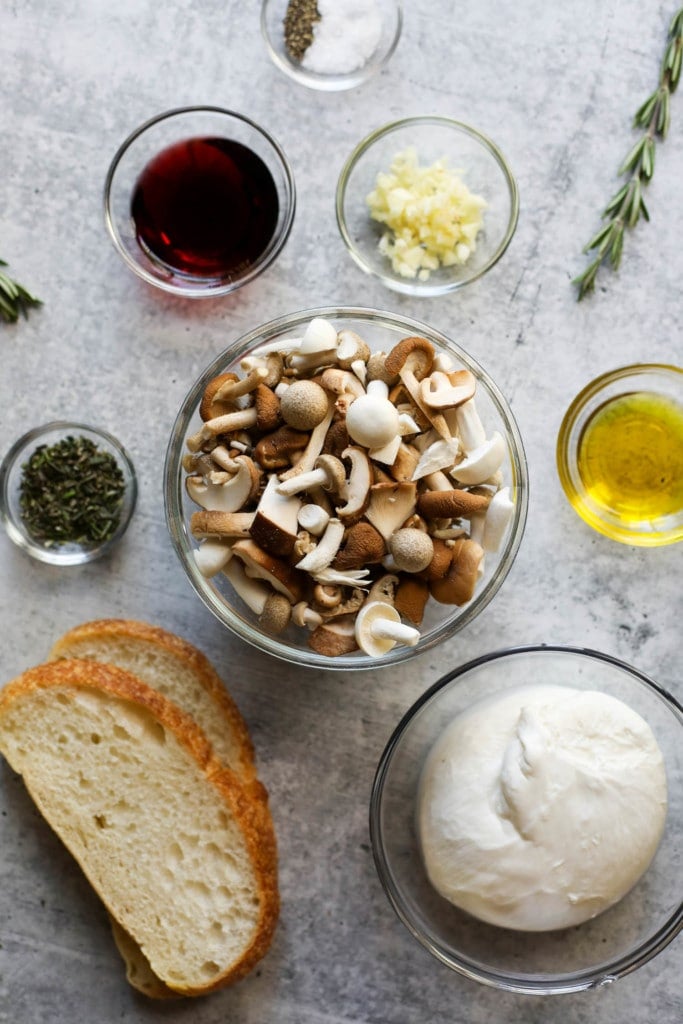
[[180, 849], [173, 667]]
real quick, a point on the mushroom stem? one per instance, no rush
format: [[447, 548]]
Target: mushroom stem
[[386, 629], [325, 550]]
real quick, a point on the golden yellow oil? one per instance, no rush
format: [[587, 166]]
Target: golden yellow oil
[[630, 457]]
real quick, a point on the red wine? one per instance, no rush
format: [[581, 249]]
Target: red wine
[[205, 207]]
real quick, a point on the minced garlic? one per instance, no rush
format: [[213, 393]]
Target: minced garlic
[[432, 217]]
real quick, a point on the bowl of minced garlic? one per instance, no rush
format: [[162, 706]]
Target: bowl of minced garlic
[[427, 205]]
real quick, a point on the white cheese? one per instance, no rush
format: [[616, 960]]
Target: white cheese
[[541, 807]]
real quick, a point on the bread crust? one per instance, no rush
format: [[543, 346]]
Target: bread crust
[[185, 652], [246, 799]]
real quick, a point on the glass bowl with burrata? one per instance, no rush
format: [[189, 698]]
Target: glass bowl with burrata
[[526, 819], [345, 487], [426, 205]]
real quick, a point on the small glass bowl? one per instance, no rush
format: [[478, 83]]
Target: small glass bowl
[[272, 26], [468, 152], [145, 143], [381, 331], [620, 519], [589, 955], [11, 472]]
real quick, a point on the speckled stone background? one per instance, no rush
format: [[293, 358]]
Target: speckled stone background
[[556, 86]]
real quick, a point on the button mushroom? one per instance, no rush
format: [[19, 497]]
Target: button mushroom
[[379, 628], [372, 420]]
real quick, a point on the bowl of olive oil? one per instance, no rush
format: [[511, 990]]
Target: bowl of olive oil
[[620, 454]]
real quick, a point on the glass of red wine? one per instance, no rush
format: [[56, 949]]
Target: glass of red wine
[[199, 200]]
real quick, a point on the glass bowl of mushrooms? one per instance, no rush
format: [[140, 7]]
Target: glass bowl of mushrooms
[[345, 488]]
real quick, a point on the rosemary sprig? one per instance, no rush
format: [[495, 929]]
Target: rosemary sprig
[[14, 298], [626, 207]]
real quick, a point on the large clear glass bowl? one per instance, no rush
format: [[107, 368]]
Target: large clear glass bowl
[[381, 331], [590, 955]]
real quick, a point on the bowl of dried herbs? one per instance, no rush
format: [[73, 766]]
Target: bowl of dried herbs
[[67, 492]]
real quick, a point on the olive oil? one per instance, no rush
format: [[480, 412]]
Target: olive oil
[[630, 457]]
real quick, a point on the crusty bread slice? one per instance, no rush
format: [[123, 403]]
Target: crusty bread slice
[[173, 667], [180, 849], [176, 668]]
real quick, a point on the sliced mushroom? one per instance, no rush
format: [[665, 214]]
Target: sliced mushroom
[[363, 545], [325, 550], [447, 390], [334, 638], [390, 505], [273, 609], [439, 455], [470, 427], [217, 525], [412, 361], [348, 606], [345, 578], [356, 493], [388, 453], [212, 556], [275, 525], [498, 517], [384, 589], [260, 564], [379, 628], [272, 362], [404, 465], [481, 463], [230, 496]]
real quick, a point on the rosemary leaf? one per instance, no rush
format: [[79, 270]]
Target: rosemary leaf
[[627, 206], [15, 300]]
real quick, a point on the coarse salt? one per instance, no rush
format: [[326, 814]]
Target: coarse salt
[[345, 38]]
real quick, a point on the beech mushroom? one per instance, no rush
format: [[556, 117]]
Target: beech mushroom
[[209, 406], [379, 628], [412, 550], [260, 564], [329, 473], [412, 360], [313, 449], [372, 420], [350, 348], [303, 405], [481, 463], [231, 390]]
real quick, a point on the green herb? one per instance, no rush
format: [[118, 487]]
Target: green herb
[[14, 299], [300, 17], [71, 492], [626, 207]]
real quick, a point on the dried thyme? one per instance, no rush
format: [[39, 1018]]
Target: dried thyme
[[300, 17], [71, 492]]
